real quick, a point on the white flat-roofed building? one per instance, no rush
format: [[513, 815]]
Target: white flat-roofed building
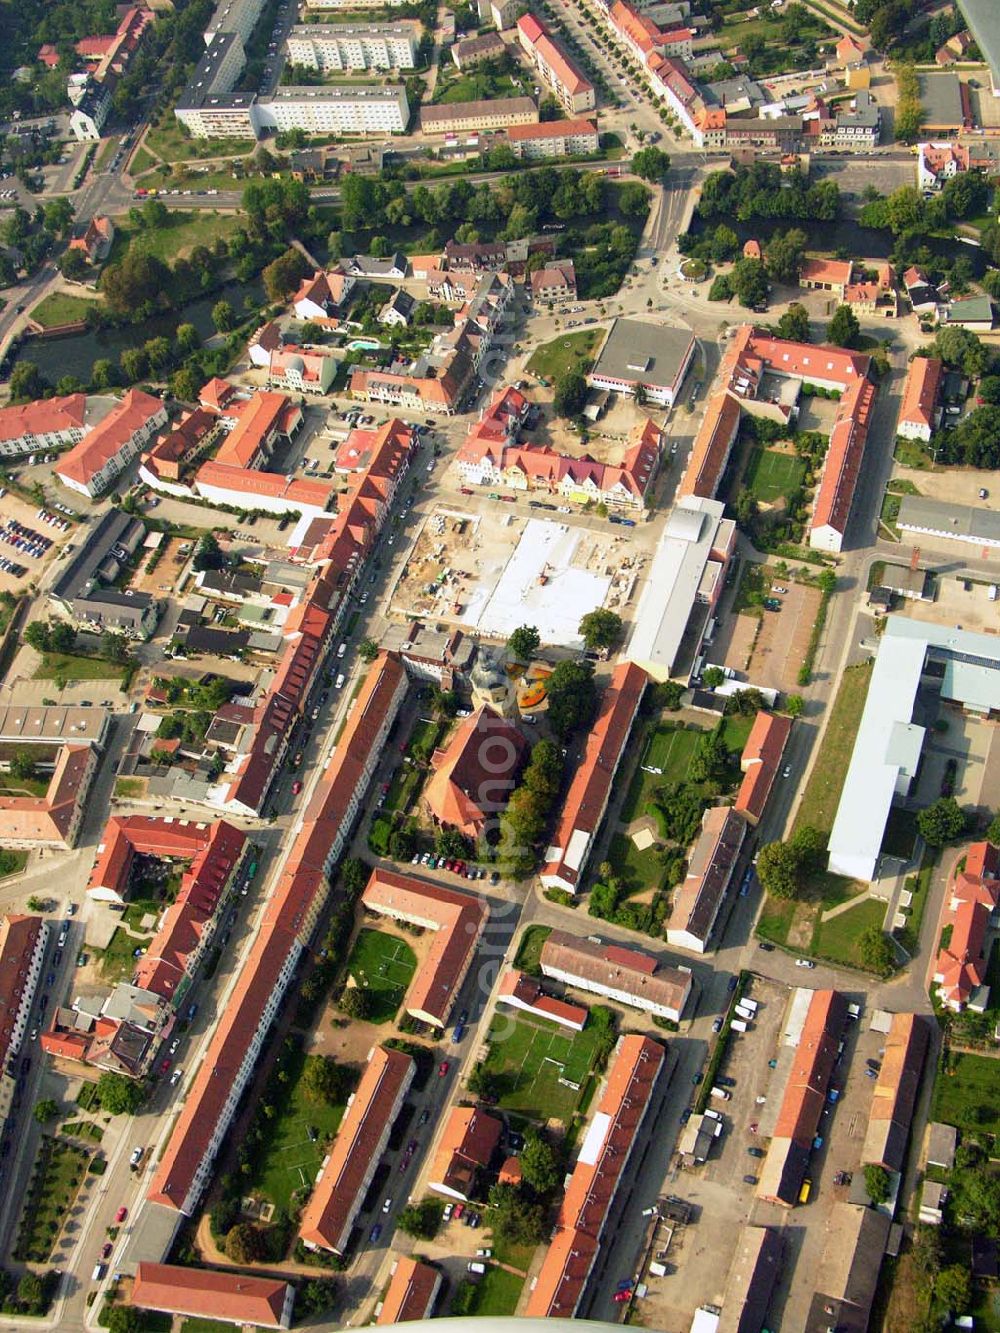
[[956, 523], [239, 16], [362, 110], [964, 668], [638, 354], [686, 579], [340, 46]]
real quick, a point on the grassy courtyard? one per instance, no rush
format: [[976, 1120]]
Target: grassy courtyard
[[71, 666], [59, 1173], [772, 475], [290, 1159], [966, 1093], [62, 308], [530, 1055], [668, 747], [384, 964], [529, 951], [178, 236], [119, 961], [567, 352], [837, 939], [496, 1293], [826, 781], [169, 142]]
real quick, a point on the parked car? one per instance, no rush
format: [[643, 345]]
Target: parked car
[[443, 1068], [804, 962], [121, 1215], [375, 1232]]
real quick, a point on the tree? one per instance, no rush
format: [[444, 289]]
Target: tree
[[875, 950], [104, 374], [713, 677], [119, 1095], [942, 822], [524, 643], [651, 163], [794, 324], [45, 1111], [22, 765], [601, 629], [58, 216], [27, 382], [133, 363], [368, 650], [185, 384], [778, 869], [877, 1183], [283, 276], [421, 1220], [62, 637], [353, 876], [246, 1243], [31, 1290], [209, 554], [73, 265], [749, 282], [223, 316], [357, 1002], [323, 1080], [137, 284], [993, 830], [953, 1288], [725, 243], [402, 843], [844, 328], [539, 1164], [483, 1083], [125, 1319], [38, 635], [570, 392], [784, 254], [186, 339], [572, 696], [514, 1218], [795, 705], [114, 646]]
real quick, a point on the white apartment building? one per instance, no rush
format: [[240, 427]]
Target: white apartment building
[[239, 16], [341, 46], [362, 110]]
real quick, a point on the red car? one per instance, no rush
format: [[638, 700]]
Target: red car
[[621, 1296], [106, 1249], [164, 1065], [121, 1214], [443, 1068], [459, 1210], [465, 490], [296, 787]]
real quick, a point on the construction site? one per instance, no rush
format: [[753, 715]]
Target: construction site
[[490, 574]]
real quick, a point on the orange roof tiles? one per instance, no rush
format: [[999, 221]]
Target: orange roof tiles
[[411, 1292], [561, 68], [18, 940], [587, 798], [328, 1216], [896, 1089], [259, 421], [526, 992], [835, 272], [109, 437], [550, 129], [468, 1141], [457, 920], [603, 1157], [923, 384], [973, 895], [760, 761], [712, 446], [209, 1294], [50, 818], [476, 772]]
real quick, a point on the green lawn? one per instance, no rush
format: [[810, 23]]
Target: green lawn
[[529, 951], [127, 788], [668, 747], [965, 1094], [775, 919], [62, 308], [180, 235], [69, 666], [496, 1293], [735, 730], [290, 1159], [171, 143], [564, 353], [635, 869], [911, 453], [826, 781], [118, 961], [384, 964], [837, 939], [509, 1252], [773, 476], [530, 1055], [58, 1174], [198, 1325], [142, 161], [12, 862]]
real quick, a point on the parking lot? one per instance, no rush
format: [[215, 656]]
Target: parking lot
[[14, 510], [772, 654]]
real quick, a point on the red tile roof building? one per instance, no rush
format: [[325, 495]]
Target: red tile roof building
[[361, 1140], [106, 451], [457, 921], [323, 295], [48, 424], [587, 798], [523, 992], [751, 357], [201, 1293], [96, 241], [467, 1143], [22, 952], [918, 413], [802, 1103], [289, 922], [473, 777], [604, 1156], [555, 282], [700, 895], [52, 820], [627, 975], [760, 762], [412, 1291], [575, 92], [973, 897], [896, 1089], [554, 138], [827, 275]]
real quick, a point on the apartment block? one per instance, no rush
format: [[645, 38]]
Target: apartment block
[[554, 66], [554, 138], [341, 46]]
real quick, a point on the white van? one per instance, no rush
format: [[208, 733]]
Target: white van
[[752, 1005], [743, 1012], [738, 1025], [475, 1267], [98, 1273], [338, 684], [721, 1093], [342, 650]]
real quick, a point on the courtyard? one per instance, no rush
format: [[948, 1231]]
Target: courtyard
[[542, 1069], [383, 965]]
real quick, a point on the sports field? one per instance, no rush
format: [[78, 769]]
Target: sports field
[[774, 476], [383, 964], [668, 748], [530, 1056]]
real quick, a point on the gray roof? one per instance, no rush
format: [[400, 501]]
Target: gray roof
[[983, 18], [752, 1277], [317, 31], [848, 1272], [206, 79], [639, 351], [727, 91], [977, 309], [80, 573], [866, 114], [963, 523], [497, 106], [941, 99]]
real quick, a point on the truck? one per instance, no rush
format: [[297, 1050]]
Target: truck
[[98, 1273]]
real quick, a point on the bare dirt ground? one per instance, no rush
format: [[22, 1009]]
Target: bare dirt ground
[[164, 576], [783, 639], [958, 603]]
